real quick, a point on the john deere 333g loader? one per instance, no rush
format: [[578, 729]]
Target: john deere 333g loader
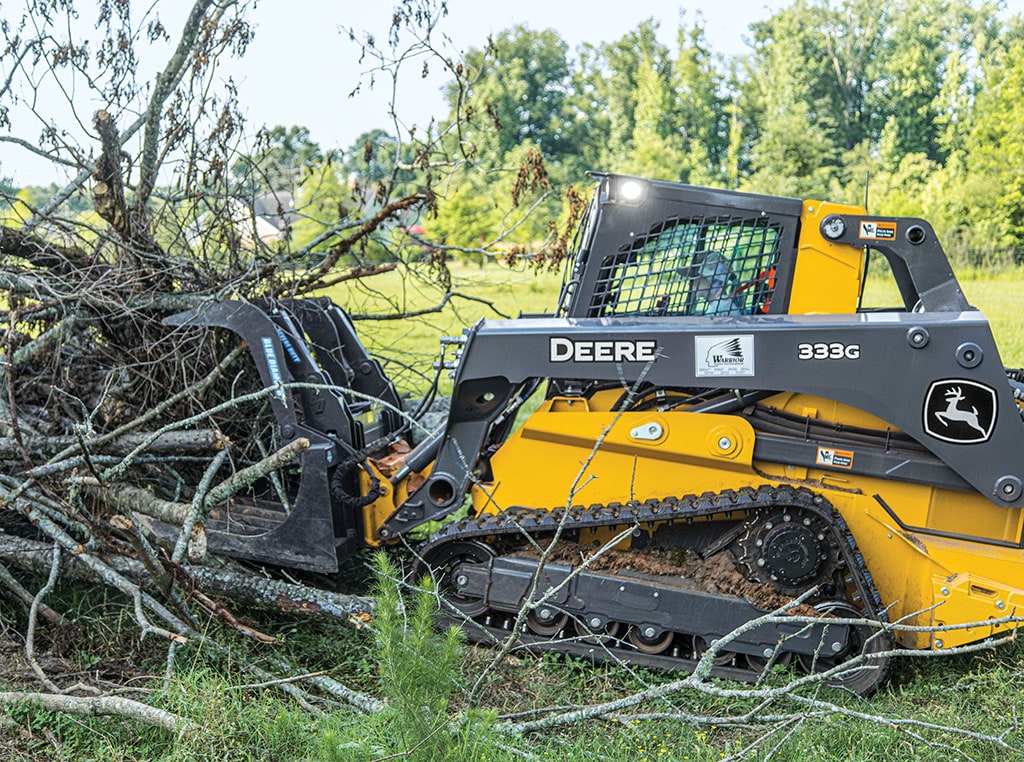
[[723, 430]]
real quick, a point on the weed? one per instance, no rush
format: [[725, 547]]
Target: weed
[[420, 671]]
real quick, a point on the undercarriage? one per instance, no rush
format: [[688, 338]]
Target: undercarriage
[[762, 577]]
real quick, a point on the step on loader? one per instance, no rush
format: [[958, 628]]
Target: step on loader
[[725, 430]]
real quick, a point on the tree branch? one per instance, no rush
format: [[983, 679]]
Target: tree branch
[[24, 244], [313, 276], [163, 85], [255, 472], [101, 706]]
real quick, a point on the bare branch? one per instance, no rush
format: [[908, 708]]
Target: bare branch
[[101, 706], [257, 471], [163, 86]]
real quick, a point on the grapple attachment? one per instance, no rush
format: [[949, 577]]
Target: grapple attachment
[[326, 388]]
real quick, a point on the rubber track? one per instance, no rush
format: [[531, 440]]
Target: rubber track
[[538, 521]]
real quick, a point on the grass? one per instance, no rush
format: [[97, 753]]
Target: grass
[[997, 294], [415, 668]]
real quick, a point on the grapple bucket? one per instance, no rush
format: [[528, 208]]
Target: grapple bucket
[[325, 387]]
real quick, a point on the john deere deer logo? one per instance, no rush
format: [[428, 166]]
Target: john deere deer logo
[[954, 397], [960, 411]]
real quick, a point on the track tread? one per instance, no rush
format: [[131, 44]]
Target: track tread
[[518, 520]]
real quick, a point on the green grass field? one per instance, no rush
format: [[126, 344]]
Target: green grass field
[[998, 295], [995, 292]]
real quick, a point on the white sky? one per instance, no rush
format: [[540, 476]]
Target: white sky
[[301, 67]]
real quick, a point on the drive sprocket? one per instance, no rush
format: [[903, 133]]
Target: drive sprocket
[[792, 549]]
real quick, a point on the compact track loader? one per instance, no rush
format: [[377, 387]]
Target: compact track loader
[[724, 429]]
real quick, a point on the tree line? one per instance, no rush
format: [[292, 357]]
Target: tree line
[[916, 103], [912, 106]]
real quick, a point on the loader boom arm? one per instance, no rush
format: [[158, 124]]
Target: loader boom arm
[[933, 348]]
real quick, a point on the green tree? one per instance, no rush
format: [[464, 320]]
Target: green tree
[[795, 155], [474, 208], [282, 156], [790, 106], [519, 91], [834, 90], [324, 201], [372, 157], [957, 197], [468, 213], [699, 112], [910, 71], [613, 69], [657, 148], [994, 188], [7, 186], [15, 208], [848, 39], [898, 182]]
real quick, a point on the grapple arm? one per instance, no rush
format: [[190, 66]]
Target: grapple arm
[[322, 386]]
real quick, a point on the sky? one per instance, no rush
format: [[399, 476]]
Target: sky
[[302, 66]]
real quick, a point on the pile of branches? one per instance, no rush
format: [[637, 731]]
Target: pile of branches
[[119, 432], [107, 414]]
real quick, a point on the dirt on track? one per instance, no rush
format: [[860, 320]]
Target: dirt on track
[[718, 574]]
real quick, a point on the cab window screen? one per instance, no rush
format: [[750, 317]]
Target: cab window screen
[[698, 266]]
